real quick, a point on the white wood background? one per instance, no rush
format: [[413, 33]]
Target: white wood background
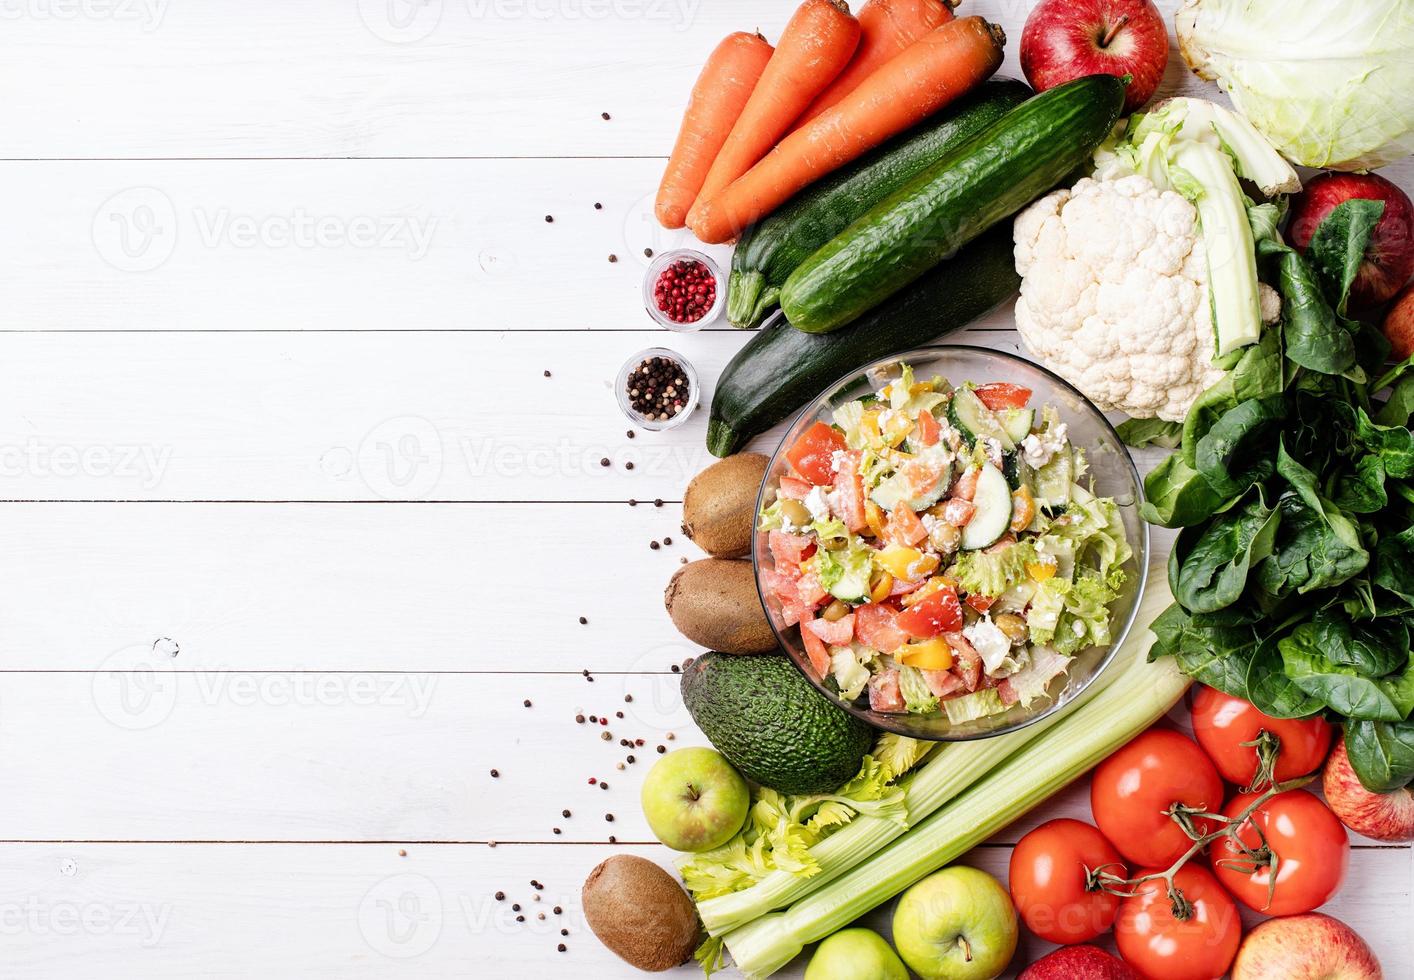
[[294, 522]]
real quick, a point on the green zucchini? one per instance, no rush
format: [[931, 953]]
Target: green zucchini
[[936, 213], [770, 250], [781, 368]]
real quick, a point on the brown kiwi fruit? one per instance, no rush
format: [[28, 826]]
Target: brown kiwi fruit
[[719, 507], [640, 913], [713, 602]]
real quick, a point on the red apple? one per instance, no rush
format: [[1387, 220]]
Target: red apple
[[1386, 817], [1399, 324], [1068, 39], [1389, 258], [1305, 947], [1078, 963]]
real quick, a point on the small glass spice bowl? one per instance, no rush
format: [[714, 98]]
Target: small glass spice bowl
[[650, 282], [655, 424]]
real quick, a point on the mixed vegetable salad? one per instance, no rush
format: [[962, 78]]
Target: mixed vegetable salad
[[939, 550]]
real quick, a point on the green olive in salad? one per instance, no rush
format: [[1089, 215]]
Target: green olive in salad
[[938, 548]]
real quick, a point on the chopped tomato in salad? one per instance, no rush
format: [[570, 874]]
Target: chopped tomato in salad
[[940, 550]]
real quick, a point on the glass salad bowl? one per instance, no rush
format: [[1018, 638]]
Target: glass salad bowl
[[1111, 473]]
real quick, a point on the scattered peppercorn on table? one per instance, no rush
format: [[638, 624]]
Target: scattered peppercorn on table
[[333, 633]]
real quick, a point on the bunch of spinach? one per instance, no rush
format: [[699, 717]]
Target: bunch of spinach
[[1293, 483]]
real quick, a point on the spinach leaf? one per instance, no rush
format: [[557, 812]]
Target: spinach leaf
[[1303, 481], [1381, 754], [1176, 495], [1314, 336], [1363, 491], [1308, 554], [1258, 373], [1215, 649], [1209, 566], [1343, 688], [1400, 406], [1338, 245], [1372, 649], [1394, 564], [1230, 456], [1394, 444], [1138, 433], [1271, 691]]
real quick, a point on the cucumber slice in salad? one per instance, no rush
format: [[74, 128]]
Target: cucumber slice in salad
[[1018, 422], [976, 421], [993, 516]]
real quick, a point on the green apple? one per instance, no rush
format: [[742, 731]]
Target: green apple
[[855, 954], [958, 924], [694, 800]]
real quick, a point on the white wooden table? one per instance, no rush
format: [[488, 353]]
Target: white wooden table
[[294, 520]]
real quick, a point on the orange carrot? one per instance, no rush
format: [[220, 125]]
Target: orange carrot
[[814, 48], [933, 71], [886, 28], [727, 81]]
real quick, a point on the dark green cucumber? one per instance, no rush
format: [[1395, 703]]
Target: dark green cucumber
[[781, 369], [936, 213], [770, 250]]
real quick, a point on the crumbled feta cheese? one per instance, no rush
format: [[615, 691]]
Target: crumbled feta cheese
[[815, 503], [990, 643], [836, 460], [994, 451], [1078, 627], [1038, 449]]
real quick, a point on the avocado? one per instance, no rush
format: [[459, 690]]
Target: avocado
[[775, 728]]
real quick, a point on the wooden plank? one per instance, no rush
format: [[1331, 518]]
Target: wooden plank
[[365, 911], [342, 416], [329, 244], [246, 754], [342, 587]]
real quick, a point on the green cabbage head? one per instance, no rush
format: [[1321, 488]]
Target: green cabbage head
[[1329, 84]]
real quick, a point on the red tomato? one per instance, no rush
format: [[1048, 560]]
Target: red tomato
[[904, 527], [940, 612], [981, 602], [793, 489], [812, 451], [1051, 881], [838, 633], [877, 628], [790, 549], [1162, 947], [969, 661], [1310, 845], [999, 395], [1226, 726], [884, 694], [849, 493], [816, 650], [928, 429], [1132, 791]]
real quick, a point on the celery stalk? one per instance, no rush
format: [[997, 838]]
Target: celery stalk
[[948, 772], [1139, 695]]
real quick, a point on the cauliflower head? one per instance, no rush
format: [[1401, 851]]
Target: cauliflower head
[[1114, 294]]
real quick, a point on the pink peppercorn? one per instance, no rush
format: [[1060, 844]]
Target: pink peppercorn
[[685, 291]]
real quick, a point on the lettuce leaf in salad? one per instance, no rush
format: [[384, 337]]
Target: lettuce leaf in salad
[[970, 707], [780, 830], [1074, 615], [991, 573], [917, 696], [847, 664], [1031, 682]]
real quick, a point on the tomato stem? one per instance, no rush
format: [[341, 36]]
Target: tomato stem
[[1228, 827], [1267, 745]]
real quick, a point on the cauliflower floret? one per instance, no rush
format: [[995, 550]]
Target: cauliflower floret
[[1114, 294]]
